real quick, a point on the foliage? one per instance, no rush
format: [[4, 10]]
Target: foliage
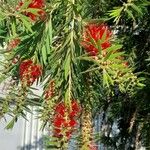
[[114, 81]]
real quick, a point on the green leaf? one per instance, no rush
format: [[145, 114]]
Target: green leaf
[[105, 78], [88, 59], [104, 36], [26, 22], [50, 30], [99, 46], [10, 125], [67, 66], [122, 88], [25, 4], [109, 79], [91, 69], [116, 13], [136, 8], [130, 14], [111, 50], [67, 97], [141, 85], [33, 10], [44, 55], [114, 55], [2, 16], [146, 3], [114, 48], [92, 40]]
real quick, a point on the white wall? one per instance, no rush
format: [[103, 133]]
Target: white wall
[[26, 134], [10, 139]]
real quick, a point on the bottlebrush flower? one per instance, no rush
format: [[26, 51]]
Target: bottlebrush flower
[[29, 72], [95, 32], [13, 44], [63, 126], [15, 59], [57, 133], [126, 64], [68, 134], [58, 121], [64, 120], [75, 109], [60, 109], [93, 146], [49, 92], [72, 123], [38, 4]]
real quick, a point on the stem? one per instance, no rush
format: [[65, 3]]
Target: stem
[[137, 138], [70, 52]]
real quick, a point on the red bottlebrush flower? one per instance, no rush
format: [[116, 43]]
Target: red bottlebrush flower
[[75, 109], [64, 119], [49, 92], [126, 64], [24, 66], [13, 44], [35, 71], [29, 72], [93, 146], [57, 133], [58, 121], [68, 134], [39, 4], [72, 123], [72, 113], [95, 32], [60, 109], [61, 124], [75, 106], [15, 59], [19, 5]]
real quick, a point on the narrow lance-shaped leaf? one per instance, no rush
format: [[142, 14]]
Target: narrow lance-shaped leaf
[[105, 79], [10, 125], [26, 22], [67, 66], [68, 97], [136, 8], [130, 14], [44, 55]]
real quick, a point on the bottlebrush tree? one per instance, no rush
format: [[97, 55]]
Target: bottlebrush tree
[[78, 57]]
